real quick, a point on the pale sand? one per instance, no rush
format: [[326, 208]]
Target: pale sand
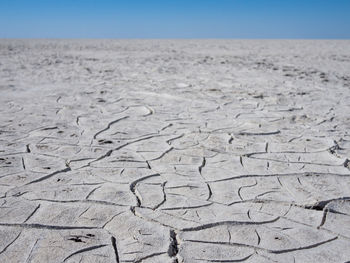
[[174, 151]]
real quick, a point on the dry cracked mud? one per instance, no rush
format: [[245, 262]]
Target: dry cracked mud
[[174, 151]]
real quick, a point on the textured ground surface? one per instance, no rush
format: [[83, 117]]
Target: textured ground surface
[[174, 151]]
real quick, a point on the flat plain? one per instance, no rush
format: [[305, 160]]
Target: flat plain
[[174, 151]]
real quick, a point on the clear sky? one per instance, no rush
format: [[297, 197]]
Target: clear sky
[[175, 19]]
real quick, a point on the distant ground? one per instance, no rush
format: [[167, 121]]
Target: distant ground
[[174, 151]]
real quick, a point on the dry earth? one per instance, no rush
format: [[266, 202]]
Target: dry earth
[[174, 151]]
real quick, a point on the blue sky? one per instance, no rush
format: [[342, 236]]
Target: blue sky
[[175, 19]]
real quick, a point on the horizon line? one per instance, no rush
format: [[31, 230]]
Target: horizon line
[[165, 38]]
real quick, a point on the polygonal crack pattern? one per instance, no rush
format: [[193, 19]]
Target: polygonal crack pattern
[[174, 151]]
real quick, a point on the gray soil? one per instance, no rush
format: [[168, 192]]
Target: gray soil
[[174, 151]]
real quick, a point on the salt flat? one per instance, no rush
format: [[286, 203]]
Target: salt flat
[[174, 151]]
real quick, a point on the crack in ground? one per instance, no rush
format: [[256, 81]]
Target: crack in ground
[[109, 126], [114, 245], [274, 175], [49, 176], [83, 251], [50, 227], [228, 223], [272, 251], [133, 187]]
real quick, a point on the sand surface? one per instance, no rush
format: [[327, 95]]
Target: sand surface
[[174, 151]]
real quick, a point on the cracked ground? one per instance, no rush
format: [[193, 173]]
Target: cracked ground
[[174, 151]]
